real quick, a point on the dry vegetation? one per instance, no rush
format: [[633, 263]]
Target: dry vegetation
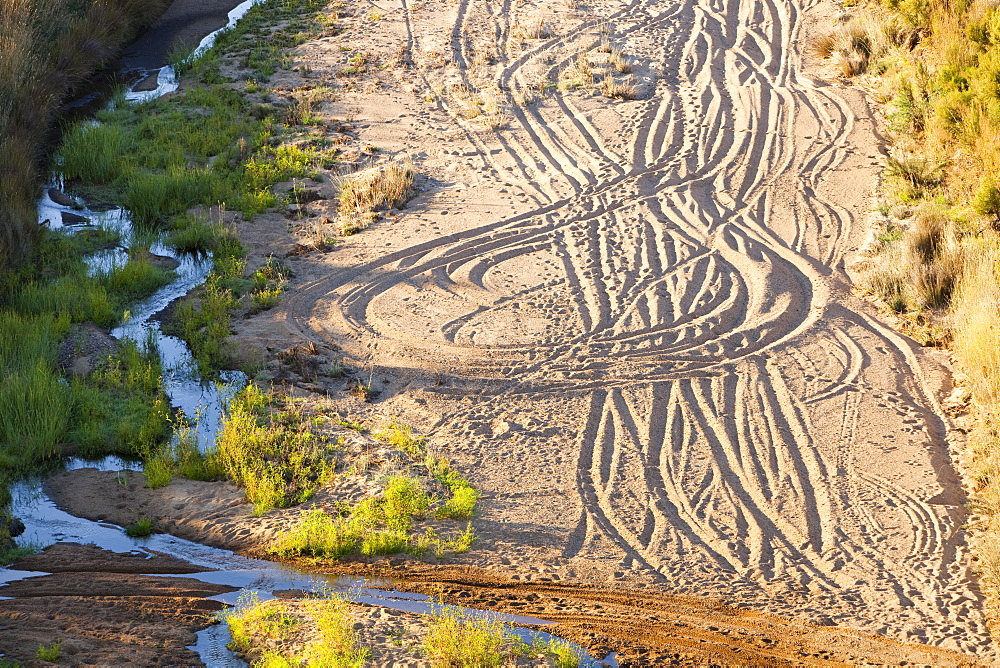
[[937, 257], [365, 193]]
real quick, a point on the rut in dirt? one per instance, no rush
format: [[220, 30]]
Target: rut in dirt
[[746, 427]]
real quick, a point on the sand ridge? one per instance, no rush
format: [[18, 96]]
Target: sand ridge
[[630, 321]]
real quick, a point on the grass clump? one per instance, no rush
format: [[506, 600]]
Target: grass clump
[[270, 453], [918, 267], [141, 528], [12, 552], [857, 45], [458, 638], [280, 633], [368, 191], [251, 620], [537, 29], [455, 640], [619, 90], [376, 525]]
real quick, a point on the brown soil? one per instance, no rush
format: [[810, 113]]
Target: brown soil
[[656, 629], [106, 609]]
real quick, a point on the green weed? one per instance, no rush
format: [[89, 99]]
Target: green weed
[[51, 653], [141, 528], [455, 640], [10, 554], [269, 452]]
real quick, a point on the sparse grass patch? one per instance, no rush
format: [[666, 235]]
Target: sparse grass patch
[[618, 62], [12, 553], [252, 621], [51, 653], [194, 234], [455, 640], [856, 45], [270, 632], [385, 524], [619, 90], [537, 29]]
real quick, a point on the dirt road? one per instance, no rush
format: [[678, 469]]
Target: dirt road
[[634, 315]]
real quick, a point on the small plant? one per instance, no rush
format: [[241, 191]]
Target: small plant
[[13, 552], [624, 90], [356, 426], [496, 121], [920, 173], [987, 200], [50, 653], [262, 300], [270, 453], [389, 186], [617, 61], [141, 528], [251, 621], [362, 391], [537, 29], [456, 640]]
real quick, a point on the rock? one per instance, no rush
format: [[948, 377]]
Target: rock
[[162, 261], [84, 347], [13, 526], [148, 83], [69, 218], [61, 198]]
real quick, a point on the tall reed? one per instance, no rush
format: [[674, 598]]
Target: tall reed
[[47, 49]]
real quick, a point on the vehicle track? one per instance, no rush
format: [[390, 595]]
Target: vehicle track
[[744, 427]]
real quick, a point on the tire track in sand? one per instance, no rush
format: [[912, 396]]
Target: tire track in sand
[[743, 428]]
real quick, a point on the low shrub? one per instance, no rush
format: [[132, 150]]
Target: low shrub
[[267, 449], [382, 187]]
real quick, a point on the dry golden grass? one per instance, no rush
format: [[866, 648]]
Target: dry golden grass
[[617, 61], [366, 192], [855, 45], [619, 90], [537, 29], [977, 348]]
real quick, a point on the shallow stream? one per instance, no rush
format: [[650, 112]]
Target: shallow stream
[[203, 402]]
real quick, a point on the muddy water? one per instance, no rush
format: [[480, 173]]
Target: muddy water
[[202, 402]]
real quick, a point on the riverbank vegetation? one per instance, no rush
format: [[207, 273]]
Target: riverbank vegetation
[[204, 150], [50, 405], [325, 631], [315, 633], [936, 67], [48, 48]]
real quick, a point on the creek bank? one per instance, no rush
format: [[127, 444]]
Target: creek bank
[[106, 608]]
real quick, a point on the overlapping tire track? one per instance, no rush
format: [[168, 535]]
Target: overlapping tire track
[[686, 301]]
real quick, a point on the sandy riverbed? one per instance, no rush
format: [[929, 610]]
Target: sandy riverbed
[[630, 321]]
